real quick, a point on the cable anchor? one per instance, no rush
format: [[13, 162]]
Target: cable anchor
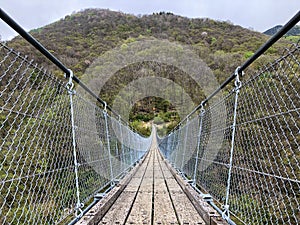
[[78, 209], [225, 213]]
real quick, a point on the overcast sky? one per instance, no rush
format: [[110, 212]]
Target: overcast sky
[[257, 14]]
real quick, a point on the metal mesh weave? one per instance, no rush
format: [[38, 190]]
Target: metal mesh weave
[[254, 170], [38, 182]]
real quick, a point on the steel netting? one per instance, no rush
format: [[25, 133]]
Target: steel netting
[[57, 149], [249, 154]]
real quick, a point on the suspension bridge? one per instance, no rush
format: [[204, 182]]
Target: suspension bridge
[[235, 159]]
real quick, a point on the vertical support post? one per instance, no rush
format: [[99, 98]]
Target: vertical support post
[[185, 141], [173, 148], [122, 143], [238, 85], [139, 147], [169, 146], [117, 150], [130, 148], [202, 111], [135, 147], [112, 183], [118, 168], [178, 142], [79, 205], [166, 149]]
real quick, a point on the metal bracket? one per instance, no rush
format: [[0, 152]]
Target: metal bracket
[[206, 197], [99, 196]]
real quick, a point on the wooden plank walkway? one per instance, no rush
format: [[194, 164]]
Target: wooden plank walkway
[[151, 195]]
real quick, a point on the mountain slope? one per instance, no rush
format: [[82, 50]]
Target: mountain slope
[[78, 39], [293, 32]]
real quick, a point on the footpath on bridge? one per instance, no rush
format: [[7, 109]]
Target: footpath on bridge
[[153, 193]]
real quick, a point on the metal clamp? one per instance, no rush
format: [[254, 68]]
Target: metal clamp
[[225, 213], [207, 197], [202, 110], [237, 82], [70, 84], [105, 107]]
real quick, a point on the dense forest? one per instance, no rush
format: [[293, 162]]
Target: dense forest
[[78, 39]]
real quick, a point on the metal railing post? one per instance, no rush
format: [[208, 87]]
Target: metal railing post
[[112, 183], [238, 84], [173, 148], [198, 145], [166, 149], [79, 205], [122, 143], [185, 141], [130, 145], [178, 142], [169, 147], [136, 144]]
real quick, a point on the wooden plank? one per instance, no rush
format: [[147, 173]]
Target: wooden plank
[[166, 171], [140, 171], [163, 208], [209, 215], [134, 184], [160, 185], [147, 185], [186, 212], [119, 210], [141, 210], [173, 185], [158, 174], [149, 173]]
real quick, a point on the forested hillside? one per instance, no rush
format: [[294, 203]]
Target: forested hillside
[[293, 32], [78, 39], [292, 35]]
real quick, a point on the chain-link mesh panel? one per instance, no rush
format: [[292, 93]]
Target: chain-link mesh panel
[[37, 169], [248, 154], [92, 152], [57, 149], [106, 148], [267, 152]]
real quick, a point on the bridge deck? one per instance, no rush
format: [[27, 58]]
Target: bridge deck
[[152, 195]]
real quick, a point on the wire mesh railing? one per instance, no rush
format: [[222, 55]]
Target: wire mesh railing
[[57, 149], [244, 148]]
